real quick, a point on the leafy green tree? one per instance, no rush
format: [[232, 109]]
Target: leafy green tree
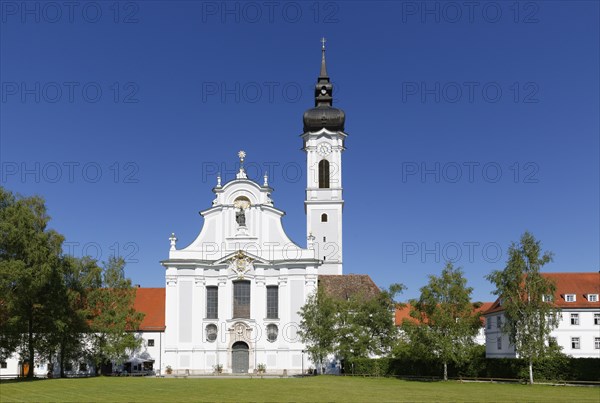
[[529, 317], [318, 326], [446, 322], [366, 325], [78, 277], [413, 342], [52, 305], [29, 255], [355, 327], [113, 316]]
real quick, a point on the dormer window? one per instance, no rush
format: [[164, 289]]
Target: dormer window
[[570, 297], [592, 297], [547, 298]]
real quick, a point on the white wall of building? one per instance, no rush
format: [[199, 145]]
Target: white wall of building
[[224, 252], [587, 331]]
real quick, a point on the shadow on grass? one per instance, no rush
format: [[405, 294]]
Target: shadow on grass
[[422, 379], [40, 378], [21, 380]]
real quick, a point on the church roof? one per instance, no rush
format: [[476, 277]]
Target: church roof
[[151, 302], [348, 285]]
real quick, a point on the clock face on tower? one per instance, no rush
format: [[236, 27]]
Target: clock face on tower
[[324, 149]]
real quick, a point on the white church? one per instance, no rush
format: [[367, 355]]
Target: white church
[[233, 295]]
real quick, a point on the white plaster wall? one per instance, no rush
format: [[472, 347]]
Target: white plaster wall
[[586, 331], [328, 235]]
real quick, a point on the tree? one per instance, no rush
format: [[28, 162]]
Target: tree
[[366, 325], [446, 321], [317, 326], [51, 304], [529, 316], [113, 317], [29, 255], [350, 328], [78, 278]]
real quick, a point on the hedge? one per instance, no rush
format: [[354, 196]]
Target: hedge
[[555, 369]]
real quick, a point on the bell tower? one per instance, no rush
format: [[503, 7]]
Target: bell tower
[[323, 144]]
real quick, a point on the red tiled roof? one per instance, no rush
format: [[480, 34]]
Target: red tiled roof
[[484, 307], [151, 302], [580, 284], [404, 313]]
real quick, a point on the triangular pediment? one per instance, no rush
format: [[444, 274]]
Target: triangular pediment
[[235, 255]]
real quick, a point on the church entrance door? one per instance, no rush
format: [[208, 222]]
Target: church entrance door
[[240, 355]]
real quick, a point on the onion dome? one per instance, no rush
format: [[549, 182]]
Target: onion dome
[[324, 115]]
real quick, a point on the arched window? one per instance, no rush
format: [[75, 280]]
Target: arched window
[[212, 302], [272, 302], [241, 299], [323, 174], [323, 217]]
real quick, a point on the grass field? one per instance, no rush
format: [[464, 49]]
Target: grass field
[[321, 388]]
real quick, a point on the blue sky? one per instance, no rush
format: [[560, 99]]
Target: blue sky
[[467, 124]]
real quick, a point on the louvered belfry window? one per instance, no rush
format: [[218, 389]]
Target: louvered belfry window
[[324, 174]]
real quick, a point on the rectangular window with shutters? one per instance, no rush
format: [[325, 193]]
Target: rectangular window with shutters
[[272, 302], [212, 302], [241, 299]]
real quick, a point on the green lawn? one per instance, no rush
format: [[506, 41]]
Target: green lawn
[[321, 388]]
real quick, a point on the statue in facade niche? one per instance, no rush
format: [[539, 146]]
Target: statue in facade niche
[[240, 217]]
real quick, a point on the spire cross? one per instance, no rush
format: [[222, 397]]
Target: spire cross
[[323, 40], [242, 155]]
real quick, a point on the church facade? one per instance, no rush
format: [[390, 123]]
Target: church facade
[[233, 295]]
